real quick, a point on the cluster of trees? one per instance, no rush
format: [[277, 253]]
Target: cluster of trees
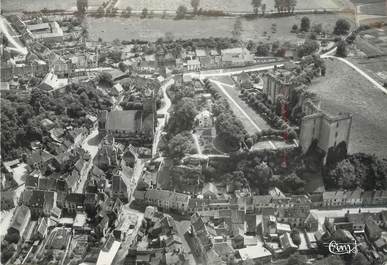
[[285, 6], [179, 145], [269, 134], [258, 4], [21, 117], [256, 101], [8, 245], [183, 116], [169, 45], [114, 55], [290, 183], [228, 128], [307, 48], [82, 6], [357, 170], [127, 12], [297, 259], [136, 89]]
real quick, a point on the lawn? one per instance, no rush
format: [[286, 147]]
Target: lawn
[[151, 29], [344, 90]]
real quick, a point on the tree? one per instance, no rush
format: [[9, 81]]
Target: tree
[[100, 12], [256, 4], [181, 12], [105, 78], [263, 49], [317, 28], [180, 144], [82, 6], [144, 13], [237, 31], [195, 6], [342, 27], [123, 67], [297, 259], [263, 9], [183, 116], [127, 12], [341, 49], [305, 24], [296, 238], [229, 129], [360, 259], [309, 47], [291, 5]]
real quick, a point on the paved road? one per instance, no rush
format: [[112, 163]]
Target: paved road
[[196, 142], [11, 39], [228, 72]]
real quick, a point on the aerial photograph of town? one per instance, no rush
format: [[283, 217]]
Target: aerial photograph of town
[[193, 132]]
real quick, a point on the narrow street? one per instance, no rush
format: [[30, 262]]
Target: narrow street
[[196, 141], [163, 111], [90, 144], [126, 210]]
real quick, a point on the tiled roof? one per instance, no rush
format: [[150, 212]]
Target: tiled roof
[[39, 156], [77, 198], [20, 217]]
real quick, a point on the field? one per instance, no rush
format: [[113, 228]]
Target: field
[[152, 29], [35, 5], [344, 90], [226, 5]]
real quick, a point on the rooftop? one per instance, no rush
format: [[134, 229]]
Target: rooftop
[[254, 252]]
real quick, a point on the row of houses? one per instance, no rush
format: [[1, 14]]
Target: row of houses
[[292, 209]]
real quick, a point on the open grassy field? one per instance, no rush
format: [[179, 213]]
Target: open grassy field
[[35, 5], [228, 5], [152, 29], [344, 90]]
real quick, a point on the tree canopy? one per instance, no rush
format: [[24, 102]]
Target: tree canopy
[[305, 24], [195, 5], [181, 12], [180, 145], [256, 4], [183, 116], [82, 6], [342, 27]]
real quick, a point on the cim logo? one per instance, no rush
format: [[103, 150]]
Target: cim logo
[[342, 248]]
